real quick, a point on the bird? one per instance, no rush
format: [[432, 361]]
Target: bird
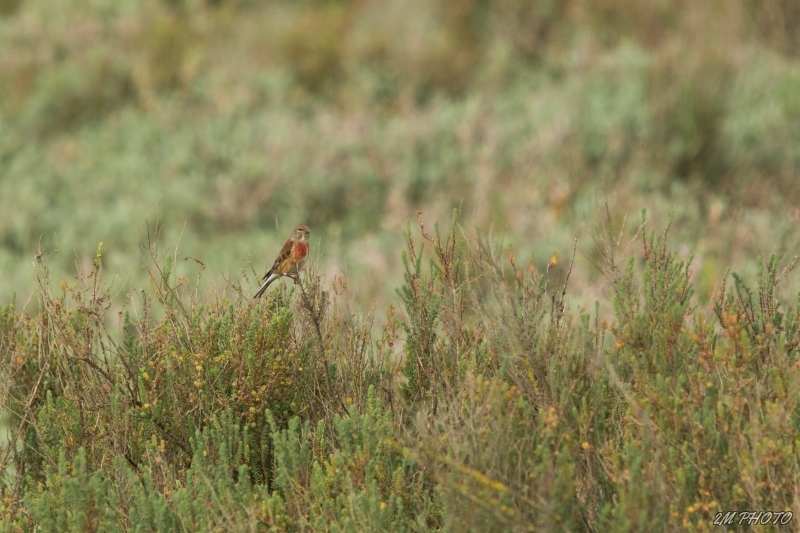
[[290, 259]]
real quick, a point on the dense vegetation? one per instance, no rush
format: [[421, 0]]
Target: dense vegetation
[[496, 385], [483, 404]]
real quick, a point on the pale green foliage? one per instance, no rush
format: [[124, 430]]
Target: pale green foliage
[[502, 411], [217, 117]]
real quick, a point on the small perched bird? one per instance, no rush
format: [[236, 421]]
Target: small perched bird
[[290, 259]]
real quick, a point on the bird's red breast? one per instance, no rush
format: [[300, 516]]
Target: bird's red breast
[[300, 250]]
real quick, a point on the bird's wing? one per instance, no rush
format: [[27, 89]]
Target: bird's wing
[[282, 256]]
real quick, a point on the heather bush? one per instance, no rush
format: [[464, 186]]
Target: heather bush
[[486, 402]]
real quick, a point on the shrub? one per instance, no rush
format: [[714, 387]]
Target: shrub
[[504, 411]]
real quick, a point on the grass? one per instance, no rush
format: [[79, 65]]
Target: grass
[[487, 404], [219, 119], [398, 388]]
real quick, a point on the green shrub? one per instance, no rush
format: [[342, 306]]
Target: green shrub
[[503, 411]]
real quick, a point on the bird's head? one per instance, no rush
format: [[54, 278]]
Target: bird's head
[[301, 233]]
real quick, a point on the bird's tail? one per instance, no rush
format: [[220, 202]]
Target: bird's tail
[[264, 286]]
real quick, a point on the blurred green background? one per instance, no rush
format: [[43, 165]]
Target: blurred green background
[[221, 118]]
